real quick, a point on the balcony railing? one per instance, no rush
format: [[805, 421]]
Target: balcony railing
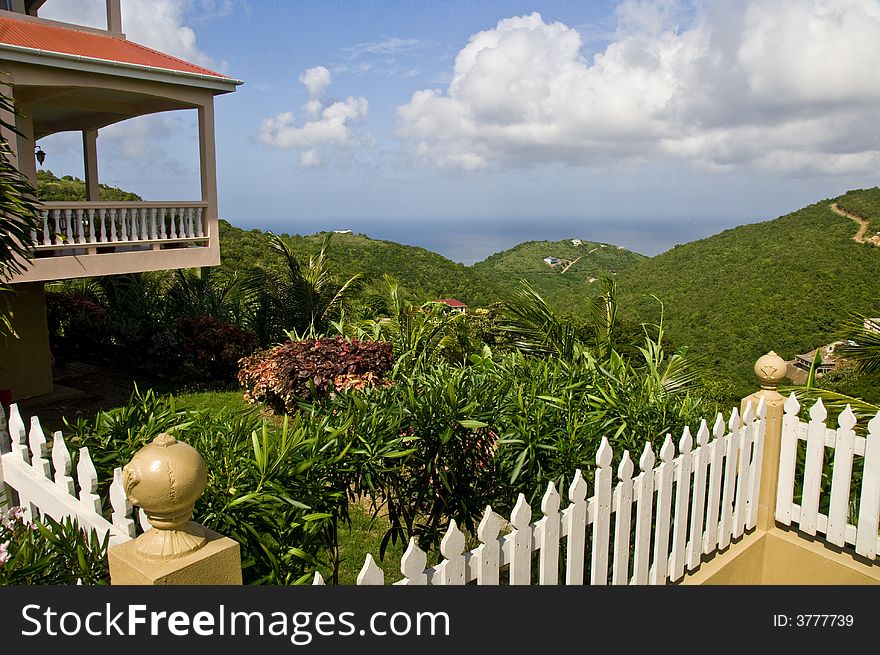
[[72, 228]]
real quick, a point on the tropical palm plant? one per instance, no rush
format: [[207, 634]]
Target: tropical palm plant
[[297, 300], [535, 329], [198, 292]]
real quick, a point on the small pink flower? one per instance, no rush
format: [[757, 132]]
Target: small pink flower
[[4, 552], [13, 516]]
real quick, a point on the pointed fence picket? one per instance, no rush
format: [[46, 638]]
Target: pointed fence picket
[[647, 529], [851, 503], [42, 482]]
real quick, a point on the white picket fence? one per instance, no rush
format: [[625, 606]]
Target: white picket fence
[[847, 523], [685, 508], [42, 480]]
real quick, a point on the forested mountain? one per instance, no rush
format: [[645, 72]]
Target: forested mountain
[[785, 285], [561, 284]]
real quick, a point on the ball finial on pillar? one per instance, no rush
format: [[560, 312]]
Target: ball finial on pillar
[[770, 371], [165, 478]]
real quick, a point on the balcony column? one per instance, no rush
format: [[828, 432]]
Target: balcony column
[[27, 162], [90, 163], [208, 174]]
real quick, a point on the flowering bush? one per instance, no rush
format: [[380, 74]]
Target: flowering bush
[[48, 552], [295, 370]]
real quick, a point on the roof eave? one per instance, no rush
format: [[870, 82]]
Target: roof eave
[[26, 55]]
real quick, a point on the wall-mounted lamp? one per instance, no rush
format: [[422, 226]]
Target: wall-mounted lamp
[[40, 155]]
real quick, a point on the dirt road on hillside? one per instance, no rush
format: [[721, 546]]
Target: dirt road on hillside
[[863, 226]]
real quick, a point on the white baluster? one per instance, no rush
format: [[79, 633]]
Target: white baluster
[[713, 500], [47, 234], [644, 490], [122, 507], [813, 468], [102, 214], [39, 449], [663, 481], [488, 553], [153, 234], [575, 517], [413, 564], [601, 514], [87, 477], [623, 495], [122, 214], [682, 501], [80, 215], [111, 217], [199, 216], [188, 229], [700, 463], [520, 543], [452, 570], [144, 223], [549, 528], [742, 472], [68, 214], [62, 463], [869, 502], [92, 236], [371, 574], [17, 435], [318, 580]]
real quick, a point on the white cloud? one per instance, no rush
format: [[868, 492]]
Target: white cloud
[[328, 125], [316, 80], [789, 85]]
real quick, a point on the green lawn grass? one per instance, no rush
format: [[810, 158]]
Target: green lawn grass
[[212, 401]]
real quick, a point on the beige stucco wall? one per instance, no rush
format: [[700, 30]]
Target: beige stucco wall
[[25, 363]]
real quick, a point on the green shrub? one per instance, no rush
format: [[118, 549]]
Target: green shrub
[[297, 370], [271, 489], [440, 422], [47, 552], [77, 325]]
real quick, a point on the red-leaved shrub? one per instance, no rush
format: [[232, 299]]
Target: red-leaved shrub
[[281, 375], [202, 349]]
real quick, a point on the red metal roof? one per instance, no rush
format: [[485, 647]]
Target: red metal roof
[[51, 38], [452, 302]]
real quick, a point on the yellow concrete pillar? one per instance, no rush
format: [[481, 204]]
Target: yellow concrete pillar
[[166, 478], [770, 371], [25, 360]]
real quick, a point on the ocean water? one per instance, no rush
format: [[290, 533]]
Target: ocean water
[[472, 241]]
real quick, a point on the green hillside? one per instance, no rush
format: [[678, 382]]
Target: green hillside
[[565, 290], [783, 285], [423, 275]]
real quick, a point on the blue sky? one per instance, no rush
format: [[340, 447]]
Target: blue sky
[[468, 127]]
